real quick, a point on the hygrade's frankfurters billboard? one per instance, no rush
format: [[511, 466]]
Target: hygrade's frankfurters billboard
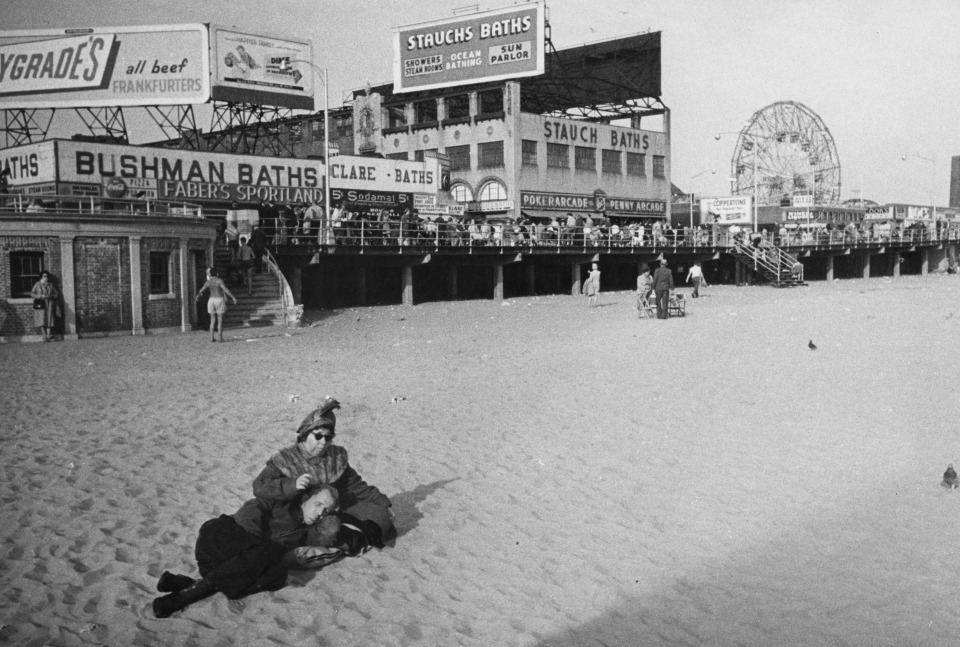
[[152, 66], [101, 67], [487, 46]]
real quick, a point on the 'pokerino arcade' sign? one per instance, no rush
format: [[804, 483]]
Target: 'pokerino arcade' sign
[[487, 46], [104, 67]]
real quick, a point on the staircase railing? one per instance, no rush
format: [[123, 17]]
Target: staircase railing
[[292, 312], [770, 261]]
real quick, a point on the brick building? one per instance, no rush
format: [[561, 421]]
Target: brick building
[[115, 274]]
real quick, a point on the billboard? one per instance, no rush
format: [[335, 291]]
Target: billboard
[[727, 211], [262, 70], [104, 67], [379, 174], [486, 46], [166, 174]]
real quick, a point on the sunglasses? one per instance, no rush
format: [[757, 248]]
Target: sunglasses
[[328, 437]]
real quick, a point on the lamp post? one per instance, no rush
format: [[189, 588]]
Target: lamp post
[[712, 172], [933, 180], [753, 142], [324, 74]]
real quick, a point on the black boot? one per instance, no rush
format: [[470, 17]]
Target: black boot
[[169, 604], [170, 583]]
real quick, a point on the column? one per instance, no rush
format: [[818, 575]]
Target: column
[[924, 261], [830, 267], [68, 287], [575, 286], [895, 262], [866, 266], [407, 285], [452, 289], [531, 279], [498, 282], [184, 287], [136, 287], [362, 286]]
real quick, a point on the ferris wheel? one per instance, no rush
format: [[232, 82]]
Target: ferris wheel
[[786, 150]]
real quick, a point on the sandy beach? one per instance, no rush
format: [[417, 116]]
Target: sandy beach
[[561, 476]]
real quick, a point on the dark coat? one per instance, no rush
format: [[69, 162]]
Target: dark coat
[[663, 278]]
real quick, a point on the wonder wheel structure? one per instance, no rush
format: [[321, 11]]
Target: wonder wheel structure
[[786, 151]]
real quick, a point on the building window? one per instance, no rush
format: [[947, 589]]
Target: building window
[[558, 156], [490, 154], [611, 161], [25, 268], [296, 132], [529, 147], [426, 111], [490, 102], [396, 116], [461, 193], [397, 156], [458, 107], [459, 157], [492, 190], [419, 156], [344, 126], [316, 129], [160, 272], [636, 164], [585, 158], [658, 165]]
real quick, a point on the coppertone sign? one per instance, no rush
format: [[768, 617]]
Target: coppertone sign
[[104, 66], [481, 47]]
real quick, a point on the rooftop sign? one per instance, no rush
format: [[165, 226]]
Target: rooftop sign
[[487, 46], [104, 66]]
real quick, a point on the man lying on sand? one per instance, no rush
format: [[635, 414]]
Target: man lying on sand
[[251, 550]]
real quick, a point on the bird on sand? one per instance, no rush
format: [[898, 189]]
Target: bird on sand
[[950, 480], [811, 345]]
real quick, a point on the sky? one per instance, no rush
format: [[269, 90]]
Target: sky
[[883, 75]]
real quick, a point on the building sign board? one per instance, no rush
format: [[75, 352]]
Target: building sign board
[[360, 200], [379, 174], [104, 67], [727, 211], [597, 202], [189, 176], [477, 48], [262, 70]]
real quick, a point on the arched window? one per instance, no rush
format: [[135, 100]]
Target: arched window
[[461, 193], [492, 190]]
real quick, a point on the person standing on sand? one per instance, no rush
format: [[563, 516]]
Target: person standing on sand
[[592, 286], [696, 276], [217, 304], [315, 460], [662, 285], [251, 550], [45, 297]]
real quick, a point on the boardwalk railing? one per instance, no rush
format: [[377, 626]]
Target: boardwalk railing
[[96, 205]]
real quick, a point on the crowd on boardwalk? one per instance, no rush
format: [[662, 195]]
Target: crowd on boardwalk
[[309, 225]]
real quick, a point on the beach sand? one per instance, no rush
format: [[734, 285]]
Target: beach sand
[[560, 475]]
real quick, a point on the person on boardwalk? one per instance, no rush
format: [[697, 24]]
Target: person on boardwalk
[[315, 460], [258, 243], [591, 286], [246, 258], [217, 304], [251, 550], [695, 275], [45, 297], [662, 285]]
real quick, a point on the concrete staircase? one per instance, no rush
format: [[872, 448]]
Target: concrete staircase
[[262, 307]]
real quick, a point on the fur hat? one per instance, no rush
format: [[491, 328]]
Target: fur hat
[[321, 417]]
